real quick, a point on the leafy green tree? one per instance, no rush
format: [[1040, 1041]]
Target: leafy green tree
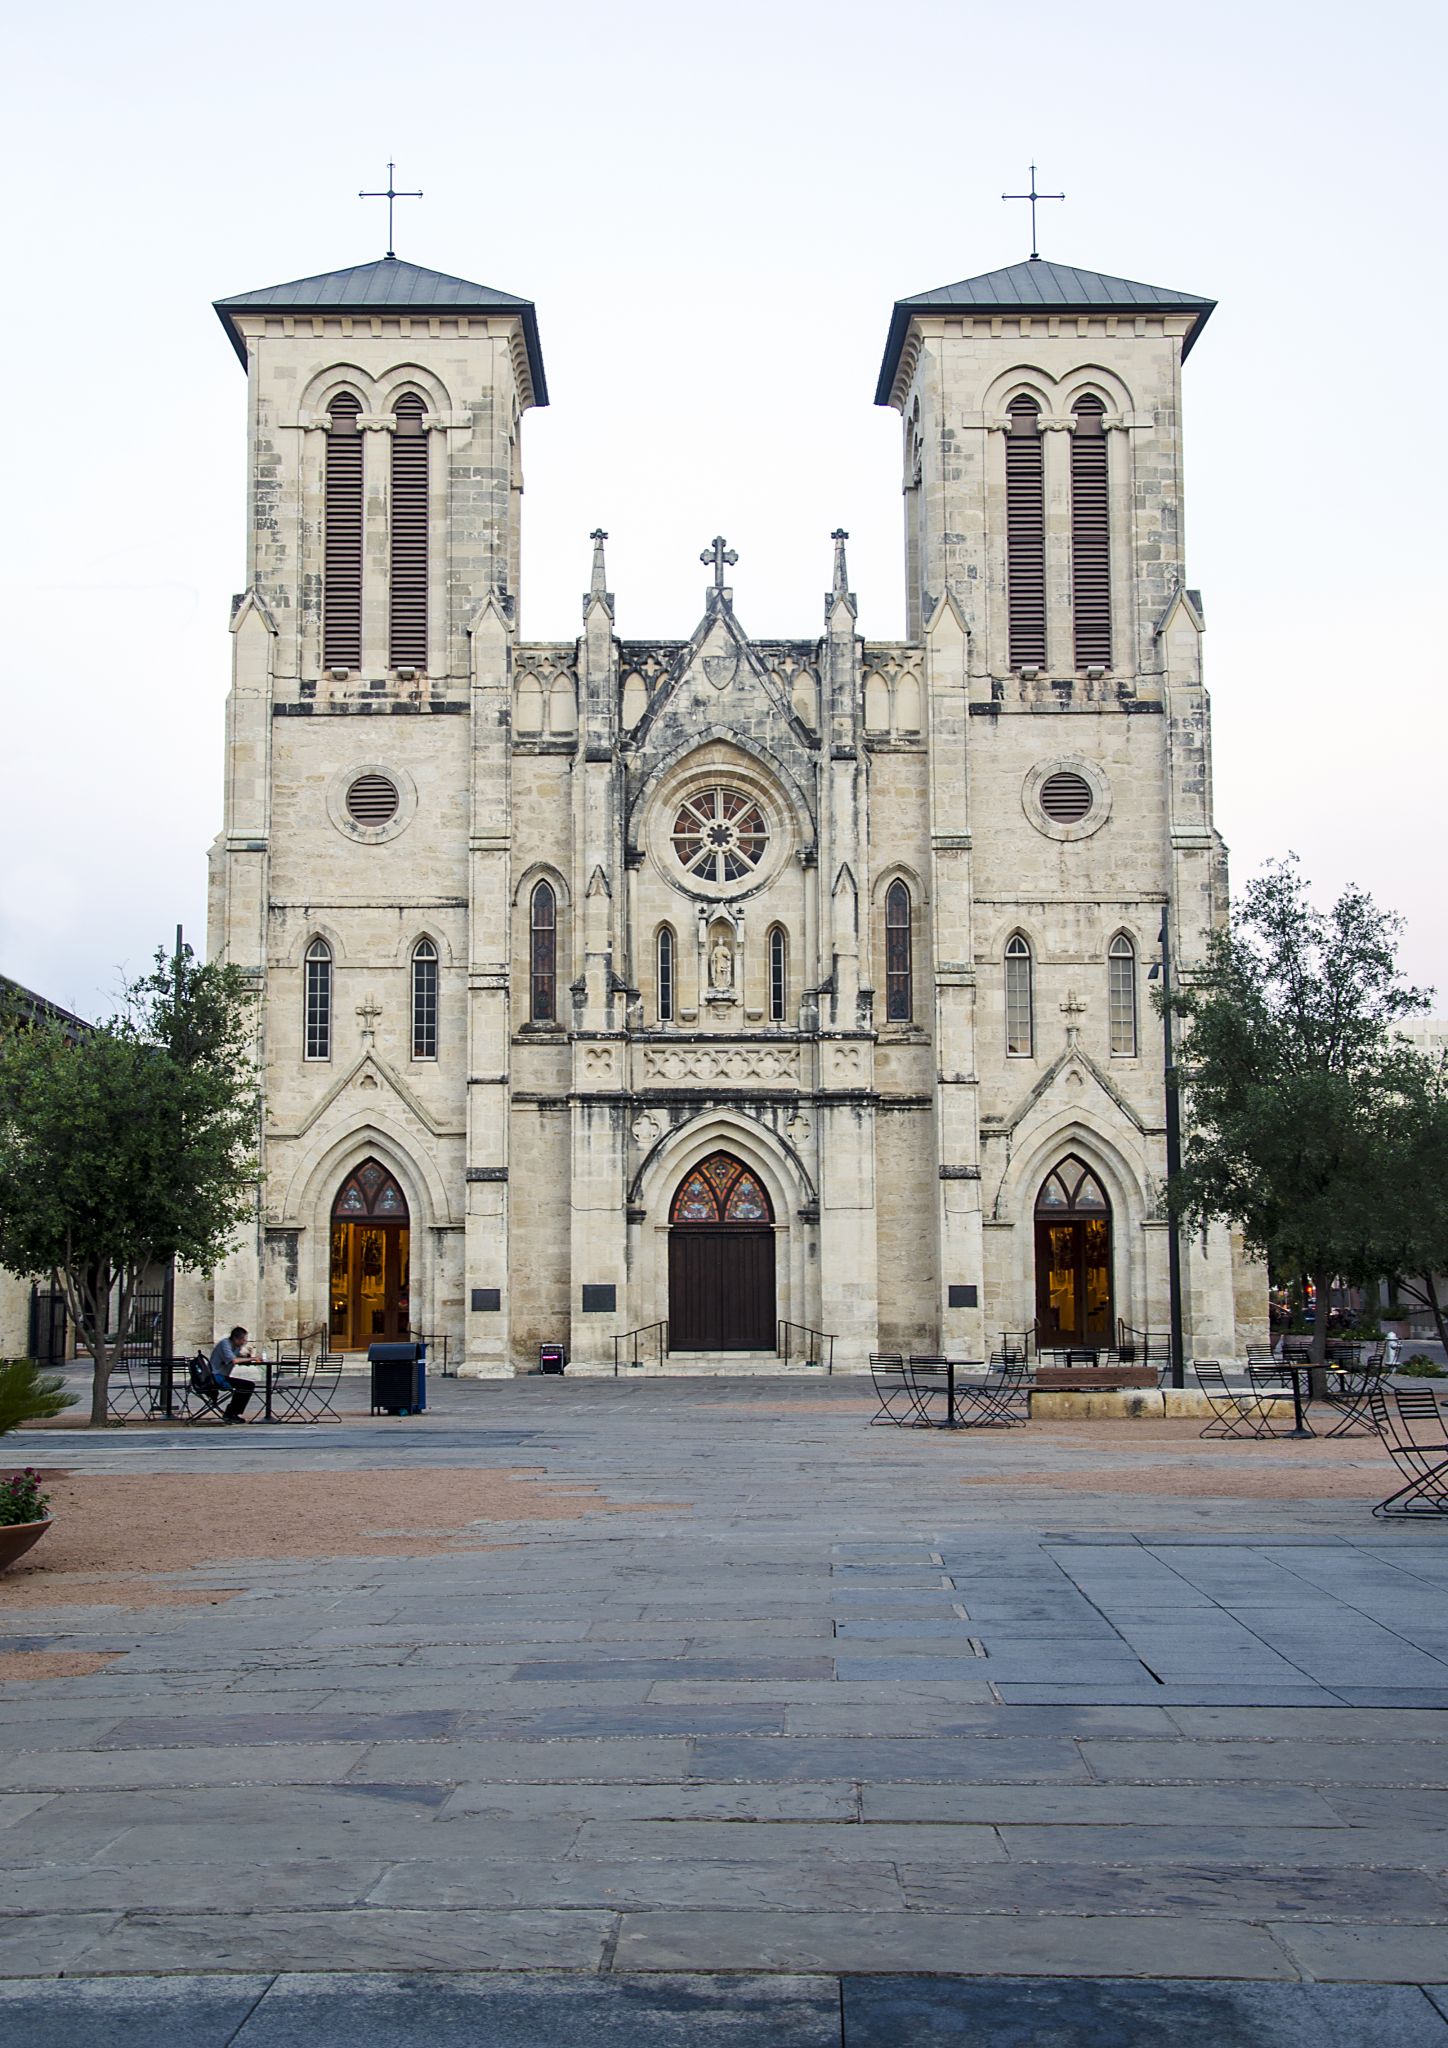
[[1416, 1196], [1294, 1079], [128, 1145]]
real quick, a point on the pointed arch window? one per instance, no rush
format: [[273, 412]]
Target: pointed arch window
[[407, 624], [543, 955], [317, 1002], [899, 994], [665, 974], [1090, 535], [1026, 534], [778, 974], [1020, 999], [342, 536], [424, 1000], [1121, 996]]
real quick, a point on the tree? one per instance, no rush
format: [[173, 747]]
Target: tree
[[1294, 1081], [1416, 1198], [128, 1145]]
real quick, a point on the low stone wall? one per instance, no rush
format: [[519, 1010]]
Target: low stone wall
[[1132, 1404]]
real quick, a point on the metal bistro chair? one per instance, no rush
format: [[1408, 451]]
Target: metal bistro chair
[[1002, 1398], [926, 1371], [1236, 1411], [1350, 1383], [305, 1392], [1415, 1431], [892, 1388]]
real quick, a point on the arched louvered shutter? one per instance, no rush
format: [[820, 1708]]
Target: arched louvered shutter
[[342, 537], [407, 633], [1090, 536], [1026, 534]]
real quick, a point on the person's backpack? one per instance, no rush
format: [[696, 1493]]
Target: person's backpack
[[203, 1380]]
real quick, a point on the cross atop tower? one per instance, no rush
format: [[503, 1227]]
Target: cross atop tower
[[389, 195], [1034, 198], [718, 555]]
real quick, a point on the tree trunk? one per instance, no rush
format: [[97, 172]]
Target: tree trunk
[[1430, 1295], [1317, 1379]]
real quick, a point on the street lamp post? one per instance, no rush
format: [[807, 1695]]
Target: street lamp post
[[1173, 1156]]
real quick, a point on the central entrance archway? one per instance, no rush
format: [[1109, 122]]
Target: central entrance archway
[[1073, 1257], [371, 1280], [721, 1259]]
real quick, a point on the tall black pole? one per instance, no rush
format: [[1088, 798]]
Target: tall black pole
[[168, 1278], [1173, 1157]]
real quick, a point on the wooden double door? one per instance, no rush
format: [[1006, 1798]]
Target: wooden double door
[[721, 1260], [371, 1278], [1073, 1258]]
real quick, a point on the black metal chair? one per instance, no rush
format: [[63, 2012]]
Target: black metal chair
[[892, 1389], [305, 1391], [929, 1380], [1001, 1400], [1236, 1411], [1350, 1382], [1415, 1432]]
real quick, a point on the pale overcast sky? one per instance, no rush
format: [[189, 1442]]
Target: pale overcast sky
[[714, 208]]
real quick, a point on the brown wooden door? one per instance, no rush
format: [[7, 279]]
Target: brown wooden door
[[721, 1290], [371, 1296], [1073, 1281]]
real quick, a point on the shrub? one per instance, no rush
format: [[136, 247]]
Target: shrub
[[1421, 1368], [21, 1499], [29, 1395]]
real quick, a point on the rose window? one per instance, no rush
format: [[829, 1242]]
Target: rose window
[[719, 835]]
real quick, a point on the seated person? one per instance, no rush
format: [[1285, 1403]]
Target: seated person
[[228, 1353]]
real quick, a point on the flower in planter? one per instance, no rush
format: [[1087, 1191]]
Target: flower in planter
[[21, 1499]]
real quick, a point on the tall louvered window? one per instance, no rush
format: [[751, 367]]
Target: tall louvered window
[[317, 1002], [424, 1000], [543, 955], [1020, 999], [407, 631], [899, 998], [342, 537], [778, 974], [666, 974], [1026, 534], [1121, 995], [1090, 536]]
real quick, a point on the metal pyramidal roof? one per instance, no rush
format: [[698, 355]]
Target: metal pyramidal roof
[[391, 284], [1038, 286]]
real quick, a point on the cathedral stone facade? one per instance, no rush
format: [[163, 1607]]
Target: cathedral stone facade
[[615, 982]]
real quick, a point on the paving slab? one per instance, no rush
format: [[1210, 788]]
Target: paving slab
[[913, 2012], [389, 1937], [129, 2012], [517, 2011]]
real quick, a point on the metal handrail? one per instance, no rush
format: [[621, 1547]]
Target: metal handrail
[[658, 1333], [436, 1342], [813, 1347]]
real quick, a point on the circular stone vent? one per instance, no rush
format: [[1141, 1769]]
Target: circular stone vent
[[1066, 797], [372, 800]]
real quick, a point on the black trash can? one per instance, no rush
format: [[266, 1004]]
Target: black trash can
[[552, 1358], [399, 1378]]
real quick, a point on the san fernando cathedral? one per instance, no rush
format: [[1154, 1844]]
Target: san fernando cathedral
[[618, 982]]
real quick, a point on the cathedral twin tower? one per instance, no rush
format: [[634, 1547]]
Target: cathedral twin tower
[[706, 987]]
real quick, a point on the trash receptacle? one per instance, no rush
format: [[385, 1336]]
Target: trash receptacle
[[552, 1358], [399, 1378]]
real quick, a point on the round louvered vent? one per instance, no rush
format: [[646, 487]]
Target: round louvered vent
[[1066, 797], [372, 800]]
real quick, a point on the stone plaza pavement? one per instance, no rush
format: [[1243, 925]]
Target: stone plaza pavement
[[832, 1744]]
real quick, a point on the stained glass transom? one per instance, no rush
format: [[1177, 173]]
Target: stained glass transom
[[1072, 1187], [721, 1190], [719, 835], [371, 1191]]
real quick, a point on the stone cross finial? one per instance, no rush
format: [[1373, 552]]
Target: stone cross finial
[[389, 195], [1072, 1010], [718, 555], [598, 583], [1034, 198], [842, 581]]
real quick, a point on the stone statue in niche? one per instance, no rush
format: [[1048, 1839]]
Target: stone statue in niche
[[721, 965]]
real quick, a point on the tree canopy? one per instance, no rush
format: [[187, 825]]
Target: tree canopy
[[129, 1144], [1294, 1081]]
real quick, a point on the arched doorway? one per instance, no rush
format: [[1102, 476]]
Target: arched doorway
[[370, 1301], [1073, 1257], [721, 1260]]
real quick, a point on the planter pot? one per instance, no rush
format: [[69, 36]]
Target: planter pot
[[17, 1537]]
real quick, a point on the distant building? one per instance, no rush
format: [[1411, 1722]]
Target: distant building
[[33, 1322]]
